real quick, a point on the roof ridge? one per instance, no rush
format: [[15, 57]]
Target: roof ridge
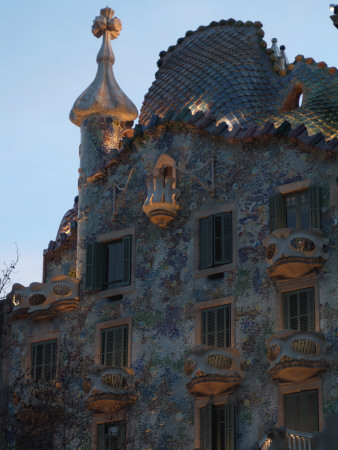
[[207, 122]]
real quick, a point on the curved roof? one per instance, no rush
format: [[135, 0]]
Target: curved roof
[[225, 70]]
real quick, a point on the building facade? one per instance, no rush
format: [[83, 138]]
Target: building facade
[[191, 292]]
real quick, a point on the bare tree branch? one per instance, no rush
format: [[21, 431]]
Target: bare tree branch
[[7, 272]]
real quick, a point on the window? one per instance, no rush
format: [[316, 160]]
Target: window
[[114, 346], [299, 209], [215, 240], [43, 365], [299, 310], [301, 411], [111, 436], [217, 427], [109, 264], [216, 326]]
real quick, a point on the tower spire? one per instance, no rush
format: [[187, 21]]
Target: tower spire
[[104, 97]]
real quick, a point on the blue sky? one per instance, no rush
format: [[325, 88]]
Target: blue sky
[[48, 57]]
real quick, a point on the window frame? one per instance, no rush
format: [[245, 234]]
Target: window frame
[[99, 419], [42, 332], [300, 401], [43, 343], [277, 204], [214, 304], [286, 286], [124, 350], [203, 402], [107, 238], [291, 388], [310, 315], [112, 423], [198, 216], [112, 324]]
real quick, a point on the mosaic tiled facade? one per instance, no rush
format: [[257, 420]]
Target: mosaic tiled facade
[[213, 170]]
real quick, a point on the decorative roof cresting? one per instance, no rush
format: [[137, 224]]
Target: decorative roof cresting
[[104, 97]]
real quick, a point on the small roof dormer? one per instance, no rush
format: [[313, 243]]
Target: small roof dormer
[[104, 97]]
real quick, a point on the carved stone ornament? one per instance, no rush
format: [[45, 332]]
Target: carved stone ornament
[[104, 97]]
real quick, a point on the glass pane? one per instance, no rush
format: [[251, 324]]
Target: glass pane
[[291, 217], [115, 264], [305, 216], [219, 428]]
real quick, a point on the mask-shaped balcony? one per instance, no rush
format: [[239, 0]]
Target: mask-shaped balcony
[[110, 389], [297, 355], [293, 253], [41, 301], [213, 370]]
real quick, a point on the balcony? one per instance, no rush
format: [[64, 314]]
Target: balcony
[[42, 301], [297, 355], [109, 389], [213, 370], [161, 203], [294, 440], [293, 253]]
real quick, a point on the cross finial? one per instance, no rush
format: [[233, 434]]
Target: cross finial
[[106, 22], [104, 97]]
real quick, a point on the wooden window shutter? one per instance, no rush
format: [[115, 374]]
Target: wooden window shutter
[[206, 243], [286, 309], [126, 260], [290, 411], [100, 437], [95, 270], [122, 438], [301, 411], [311, 309], [312, 408], [206, 428], [216, 326], [277, 212], [222, 238], [299, 310], [229, 428], [43, 366], [227, 325], [314, 207], [114, 347], [49, 360]]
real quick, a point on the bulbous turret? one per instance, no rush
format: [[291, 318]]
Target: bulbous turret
[[104, 97]]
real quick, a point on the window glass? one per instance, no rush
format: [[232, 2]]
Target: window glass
[[297, 210], [114, 264]]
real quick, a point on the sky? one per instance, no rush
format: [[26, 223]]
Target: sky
[[48, 57]]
